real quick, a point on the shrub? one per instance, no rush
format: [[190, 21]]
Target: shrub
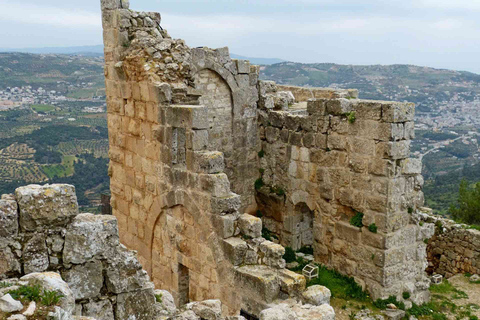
[[410, 210], [30, 293], [373, 228], [50, 298], [261, 154], [406, 295], [259, 214], [351, 117], [259, 183], [289, 255], [158, 298], [357, 220]]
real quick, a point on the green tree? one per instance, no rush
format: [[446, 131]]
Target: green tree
[[467, 209]]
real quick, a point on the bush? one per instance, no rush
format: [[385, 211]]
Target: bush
[[406, 295], [30, 293], [467, 209], [289, 255], [261, 154], [259, 183], [50, 298], [373, 228], [357, 220]]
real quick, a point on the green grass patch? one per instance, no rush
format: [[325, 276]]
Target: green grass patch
[[382, 303], [42, 108], [341, 286], [259, 183], [29, 293], [65, 169], [50, 297]]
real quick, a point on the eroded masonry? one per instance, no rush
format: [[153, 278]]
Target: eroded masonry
[[200, 147]]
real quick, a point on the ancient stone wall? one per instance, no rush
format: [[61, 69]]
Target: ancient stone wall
[[41, 230], [196, 140], [183, 139], [453, 249], [337, 159]]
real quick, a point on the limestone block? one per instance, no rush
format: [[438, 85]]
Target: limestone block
[[8, 304], [291, 282], [124, 272], [283, 99], [226, 205], [86, 280], [186, 315], [243, 66], [111, 4], [207, 309], [217, 185], [278, 312], [266, 87], [398, 112], [100, 310], [89, 236], [272, 254], [317, 106], [411, 166], [235, 249], [394, 150], [197, 140], [135, 305], [46, 206], [344, 230], [208, 162], [8, 261], [53, 281], [166, 305], [8, 217], [35, 254], [259, 279], [317, 295], [250, 226], [187, 116], [224, 225], [339, 107]]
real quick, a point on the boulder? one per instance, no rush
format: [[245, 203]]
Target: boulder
[[250, 226], [165, 305], [35, 254], [278, 312], [43, 207], [136, 305], [8, 304], [208, 309], [317, 295]]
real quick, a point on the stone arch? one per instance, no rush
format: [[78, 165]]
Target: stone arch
[[216, 95], [182, 253]]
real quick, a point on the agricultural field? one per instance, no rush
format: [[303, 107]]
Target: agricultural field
[[43, 108]]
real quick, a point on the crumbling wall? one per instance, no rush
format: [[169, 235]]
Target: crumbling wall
[[41, 230], [183, 139], [453, 249], [340, 158]]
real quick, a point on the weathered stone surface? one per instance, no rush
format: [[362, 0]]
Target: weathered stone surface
[[32, 306], [260, 279], [86, 280], [136, 305], [35, 254], [250, 226], [43, 207], [235, 250], [124, 272], [208, 309], [8, 304], [280, 312], [53, 281], [8, 217], [101, 310], [89, 236], [317, 295], [166, 305]]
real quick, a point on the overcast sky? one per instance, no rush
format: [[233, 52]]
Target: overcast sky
[[435, 33]]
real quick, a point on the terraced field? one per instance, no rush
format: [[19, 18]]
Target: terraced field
[[98, 147]]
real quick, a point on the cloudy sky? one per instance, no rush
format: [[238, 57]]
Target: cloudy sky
[[435, 33]]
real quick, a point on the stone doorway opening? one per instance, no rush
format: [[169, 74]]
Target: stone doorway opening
[[183, 285], [247, 315], [302, 227]]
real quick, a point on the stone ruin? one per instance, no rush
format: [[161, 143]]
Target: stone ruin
[[45, 241], [199, 147]]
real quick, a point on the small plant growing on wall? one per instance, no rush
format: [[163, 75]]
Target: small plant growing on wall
[[373, 228], [351, 117], [259, 183], [289, 255], [357, 220], [261, 154]]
